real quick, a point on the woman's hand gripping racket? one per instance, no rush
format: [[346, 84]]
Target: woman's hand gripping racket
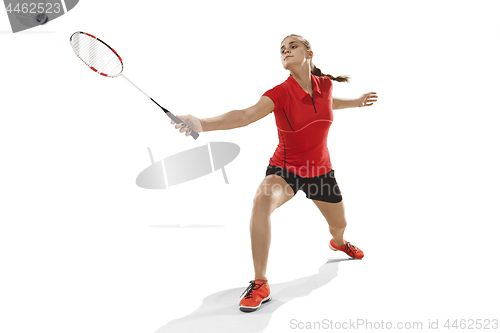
[[102, 59]]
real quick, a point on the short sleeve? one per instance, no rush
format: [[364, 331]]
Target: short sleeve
[[277, 96]]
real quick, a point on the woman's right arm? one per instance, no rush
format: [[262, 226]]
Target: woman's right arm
[[229, 120]]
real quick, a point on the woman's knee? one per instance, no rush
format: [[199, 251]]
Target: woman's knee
[[338, 224], [270, 195], [264, 200]]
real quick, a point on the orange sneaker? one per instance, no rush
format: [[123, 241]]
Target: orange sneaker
[[257, 293], [351, 250]]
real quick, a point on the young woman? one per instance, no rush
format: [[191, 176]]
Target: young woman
[[302, 106]]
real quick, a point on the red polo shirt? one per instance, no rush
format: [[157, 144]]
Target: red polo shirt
[[303, 123]]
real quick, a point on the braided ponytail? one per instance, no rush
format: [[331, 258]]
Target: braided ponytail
[[315, 70]]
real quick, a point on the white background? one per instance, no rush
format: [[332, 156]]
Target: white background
[[83, 249]]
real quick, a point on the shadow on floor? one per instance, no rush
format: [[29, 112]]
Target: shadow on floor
[[219, 312], [187, 226]]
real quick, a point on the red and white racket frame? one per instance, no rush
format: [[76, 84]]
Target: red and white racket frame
[[100, 40]]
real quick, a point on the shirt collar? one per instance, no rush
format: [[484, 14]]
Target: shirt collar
[[298, 89]]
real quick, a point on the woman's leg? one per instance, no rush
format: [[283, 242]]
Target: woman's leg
[[335, 216], [272, 193]]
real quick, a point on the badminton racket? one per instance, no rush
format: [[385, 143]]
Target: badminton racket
[[104, 60]]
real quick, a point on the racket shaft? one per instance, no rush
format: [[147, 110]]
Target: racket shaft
[[136, 86], [170, 114]]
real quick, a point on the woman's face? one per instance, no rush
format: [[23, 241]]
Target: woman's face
[[293, 52]]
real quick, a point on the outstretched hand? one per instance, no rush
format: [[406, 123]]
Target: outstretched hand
[[367, 99], [193, 124]]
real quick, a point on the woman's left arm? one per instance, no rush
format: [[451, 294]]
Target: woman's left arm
[[364, 100]]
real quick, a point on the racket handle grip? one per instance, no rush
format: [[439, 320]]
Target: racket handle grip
[[174, 118], [194, 134]]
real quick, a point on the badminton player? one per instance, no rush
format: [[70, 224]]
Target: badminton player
[[302, 107]]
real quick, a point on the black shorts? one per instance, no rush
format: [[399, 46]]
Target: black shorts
[[321, 188]]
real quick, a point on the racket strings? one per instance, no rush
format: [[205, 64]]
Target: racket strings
[[96, 54]]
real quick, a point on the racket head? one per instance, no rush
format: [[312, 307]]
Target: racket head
[[96, 54]]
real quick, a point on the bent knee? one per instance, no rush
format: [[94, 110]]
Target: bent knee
[[269, 198], [338, 224], [265, 200]]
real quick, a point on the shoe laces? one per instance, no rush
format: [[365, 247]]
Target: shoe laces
[[350, 249], [253, 286]]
